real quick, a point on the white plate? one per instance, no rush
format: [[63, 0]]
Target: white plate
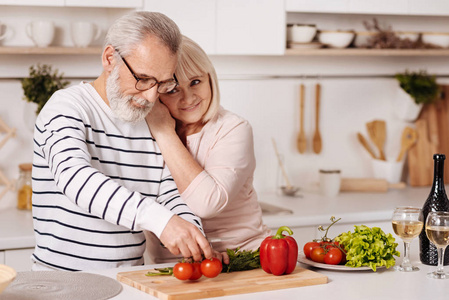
[[303, 259]]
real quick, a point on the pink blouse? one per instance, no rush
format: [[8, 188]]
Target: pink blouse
[[223, 195]]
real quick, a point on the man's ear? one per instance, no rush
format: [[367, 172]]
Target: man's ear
[[107, 59]]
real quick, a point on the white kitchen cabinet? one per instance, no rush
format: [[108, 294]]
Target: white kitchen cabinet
[[19, 259], [399, 7], [2, 257], [332, 6], [195, 18], [105, 3], [76, 3], [385, 7], [432, 7], [32, 2], [250, 27]]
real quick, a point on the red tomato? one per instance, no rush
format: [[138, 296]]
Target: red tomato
[[211, 267], [317, 254], [308, 247], [183, 270], [196, 274], [333, 256]]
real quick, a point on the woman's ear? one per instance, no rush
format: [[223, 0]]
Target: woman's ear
[[107, 59]]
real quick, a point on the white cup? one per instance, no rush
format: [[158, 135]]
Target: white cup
[[330, 181], [41, 32], [391, 171], [5, 31], [84, 33]]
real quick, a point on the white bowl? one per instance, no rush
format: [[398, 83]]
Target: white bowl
[[7, 275], [362, 37], [412, 36], [301, 33], [336, 39], [436, 38]]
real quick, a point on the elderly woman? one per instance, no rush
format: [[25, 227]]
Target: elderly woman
[[210, 154]]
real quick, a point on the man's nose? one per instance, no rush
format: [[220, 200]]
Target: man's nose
[[151, 95]]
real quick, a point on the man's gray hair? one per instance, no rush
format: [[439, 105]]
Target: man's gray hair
[[133, 28]]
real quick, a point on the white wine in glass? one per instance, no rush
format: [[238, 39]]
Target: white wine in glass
[[407, 223], [437, 230]]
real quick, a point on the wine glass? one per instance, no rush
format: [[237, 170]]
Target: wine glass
[[407, 223], [437, 230]]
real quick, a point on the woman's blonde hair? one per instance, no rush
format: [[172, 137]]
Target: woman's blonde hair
[[193, 61]]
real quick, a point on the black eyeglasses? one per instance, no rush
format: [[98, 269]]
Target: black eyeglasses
[[143, 84]]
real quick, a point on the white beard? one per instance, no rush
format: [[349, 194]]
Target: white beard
[[121, 105]]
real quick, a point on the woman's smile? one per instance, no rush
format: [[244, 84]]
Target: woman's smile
[[192, 107]]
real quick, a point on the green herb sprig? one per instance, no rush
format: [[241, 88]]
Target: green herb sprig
[[242, 260]]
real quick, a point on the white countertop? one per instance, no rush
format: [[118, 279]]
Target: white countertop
[[347, 285], [16, 229], [312, 209]]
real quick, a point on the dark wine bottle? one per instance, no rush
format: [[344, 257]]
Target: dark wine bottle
[[436, 201]]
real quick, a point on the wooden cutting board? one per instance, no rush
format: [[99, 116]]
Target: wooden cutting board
[[432, 126], [168, 287], [368, 185]]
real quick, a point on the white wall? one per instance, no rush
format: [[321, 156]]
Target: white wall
[[263, 89]]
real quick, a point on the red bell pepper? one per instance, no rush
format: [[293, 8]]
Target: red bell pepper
[[279, 253]]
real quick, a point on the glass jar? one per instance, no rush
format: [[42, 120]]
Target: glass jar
[[24, 191]]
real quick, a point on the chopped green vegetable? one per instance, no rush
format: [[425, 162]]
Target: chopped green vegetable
[[160, 271], [369, 247], [242, 260]]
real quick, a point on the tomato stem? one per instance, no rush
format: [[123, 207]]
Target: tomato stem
[[320, 228]]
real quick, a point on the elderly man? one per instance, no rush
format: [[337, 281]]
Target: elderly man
[[99, 178]]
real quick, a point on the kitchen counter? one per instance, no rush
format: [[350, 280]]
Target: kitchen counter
[[347, 285], [16, 229], [310, 210], [313, 209]]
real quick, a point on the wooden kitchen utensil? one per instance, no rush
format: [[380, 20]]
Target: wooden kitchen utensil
[[377, 131], [10, 133], [365, 144], [408, 139], [243, 282], [317, 144], [301, 141], [368, 185], [420, 156]]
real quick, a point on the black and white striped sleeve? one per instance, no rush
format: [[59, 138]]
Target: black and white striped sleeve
[[61, 140]]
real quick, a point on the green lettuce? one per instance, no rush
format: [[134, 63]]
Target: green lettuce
[[368, 247]]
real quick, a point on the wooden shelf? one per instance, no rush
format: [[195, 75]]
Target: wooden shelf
[[367, 52], [51, 50], [288, 52]]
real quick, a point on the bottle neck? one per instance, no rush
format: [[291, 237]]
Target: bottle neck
[[438, 177]]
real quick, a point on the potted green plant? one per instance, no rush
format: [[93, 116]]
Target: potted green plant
[[41, 84], [416, 89]]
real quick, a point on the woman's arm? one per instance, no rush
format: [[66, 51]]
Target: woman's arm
[[230, 162], [183, 167]]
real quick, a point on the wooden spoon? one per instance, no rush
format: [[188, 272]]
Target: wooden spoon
[[408, 139], [365, 144], [317, 137], [301, 142], [377, 132]]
